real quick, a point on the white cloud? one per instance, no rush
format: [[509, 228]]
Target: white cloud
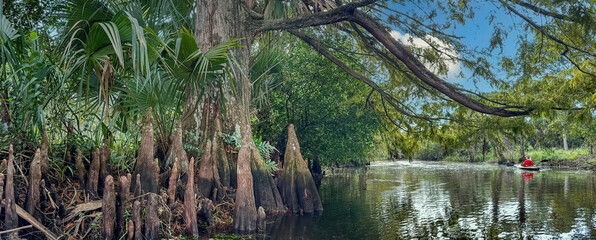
[[454, 67]]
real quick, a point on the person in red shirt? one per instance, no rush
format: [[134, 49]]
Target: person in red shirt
[[527, 162]]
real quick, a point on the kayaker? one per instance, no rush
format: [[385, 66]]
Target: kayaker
[[528, 162]]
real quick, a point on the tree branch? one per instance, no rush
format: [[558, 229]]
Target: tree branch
[[339, 14], [542, 11], [543, 31], [420, 71]]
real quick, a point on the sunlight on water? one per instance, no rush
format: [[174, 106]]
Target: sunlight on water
[[404, 200]]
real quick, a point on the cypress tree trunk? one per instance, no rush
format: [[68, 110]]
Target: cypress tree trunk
[[217, 22], [147, 167], [565, 147], [209, 183], [522, 151]]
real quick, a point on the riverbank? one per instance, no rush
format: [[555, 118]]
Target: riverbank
[[559, 158]]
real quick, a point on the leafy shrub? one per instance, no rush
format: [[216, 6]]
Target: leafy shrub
[[264, 147]]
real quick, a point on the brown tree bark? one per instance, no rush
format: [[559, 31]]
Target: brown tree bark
[[297, 186], [190, 215], [80, 170], [146, 165], [152, 218], [11, 219], [93, 176], [34, 183], [108, 209]]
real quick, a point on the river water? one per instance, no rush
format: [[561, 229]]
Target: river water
[[402, 200]]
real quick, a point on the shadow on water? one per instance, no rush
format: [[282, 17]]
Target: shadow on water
[[402, 200]]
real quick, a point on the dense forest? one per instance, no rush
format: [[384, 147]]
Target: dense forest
[[152, 119]]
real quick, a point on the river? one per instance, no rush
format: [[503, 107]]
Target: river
[[402, 200]]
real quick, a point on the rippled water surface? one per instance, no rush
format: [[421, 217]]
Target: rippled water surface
[[402, 200]]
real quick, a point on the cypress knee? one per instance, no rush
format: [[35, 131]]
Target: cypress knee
[[136, 218], [172, 182], [121, 204], [11, 219], [245, 210], [34, 182], [131, 230], [152, 219], [297, 186], [93, 176], [108, 209], [261, 219], [190, 214], [3, 165], [206, 211], [81, 172]]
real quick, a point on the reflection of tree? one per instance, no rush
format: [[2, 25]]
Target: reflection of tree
[[411, 202], [521, 200], [494, 229]]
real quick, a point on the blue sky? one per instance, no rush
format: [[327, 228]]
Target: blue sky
[[476, 33]]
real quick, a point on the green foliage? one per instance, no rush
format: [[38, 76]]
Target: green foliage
[[234, 140], [223, 236], [264, 147], [326, 106], [556, 154]]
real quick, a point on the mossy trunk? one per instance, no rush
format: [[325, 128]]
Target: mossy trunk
[[297, 186], [147, 166], [266, 192]]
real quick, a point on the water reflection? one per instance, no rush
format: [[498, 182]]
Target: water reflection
[[401, 200]]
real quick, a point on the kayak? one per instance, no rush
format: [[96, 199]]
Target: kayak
[[532, 168]]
